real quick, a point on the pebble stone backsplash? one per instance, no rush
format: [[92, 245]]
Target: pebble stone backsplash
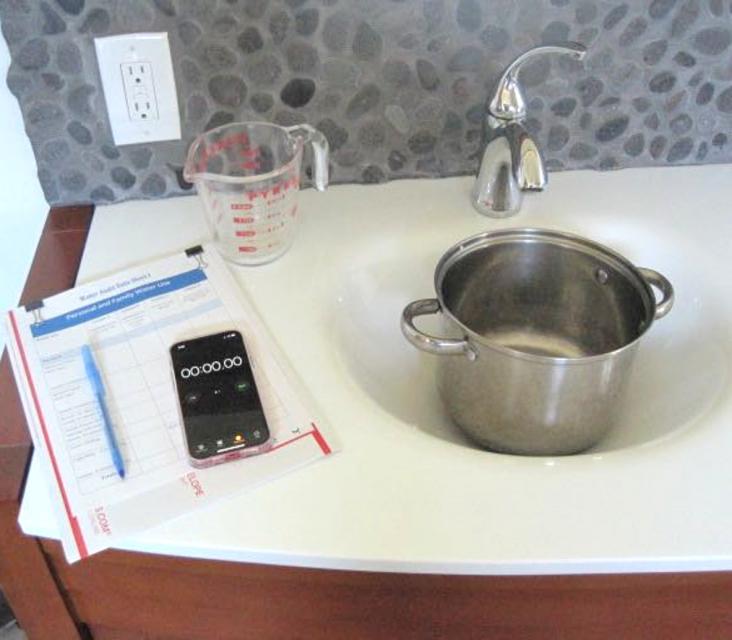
[[397, 86]]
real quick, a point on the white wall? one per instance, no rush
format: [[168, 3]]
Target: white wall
[[22, 206]]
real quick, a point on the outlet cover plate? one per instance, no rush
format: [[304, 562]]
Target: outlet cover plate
[[139, 87]]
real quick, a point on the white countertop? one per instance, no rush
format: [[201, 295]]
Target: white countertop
[[403, 497]]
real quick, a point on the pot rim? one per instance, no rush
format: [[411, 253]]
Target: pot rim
[[560, 238]]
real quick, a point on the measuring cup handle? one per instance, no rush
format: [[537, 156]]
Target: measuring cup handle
[[319, 145]]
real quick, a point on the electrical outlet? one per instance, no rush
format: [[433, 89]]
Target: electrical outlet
[[139, 87], [142, 103]]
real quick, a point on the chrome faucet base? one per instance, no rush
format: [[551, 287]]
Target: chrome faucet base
[[511, 162]]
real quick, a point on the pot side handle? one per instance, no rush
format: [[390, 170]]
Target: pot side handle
[[430, 344], [655, 279]]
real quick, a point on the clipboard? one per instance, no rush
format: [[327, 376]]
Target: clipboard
[[132, 318]]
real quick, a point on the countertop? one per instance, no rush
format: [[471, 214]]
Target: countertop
[[401, 496]]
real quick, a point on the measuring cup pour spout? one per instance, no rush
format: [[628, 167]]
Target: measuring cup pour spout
[[248, 177]]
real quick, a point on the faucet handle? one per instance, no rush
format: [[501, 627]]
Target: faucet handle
[[508, 101]]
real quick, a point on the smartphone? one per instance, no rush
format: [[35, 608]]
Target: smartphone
[[220, 407]]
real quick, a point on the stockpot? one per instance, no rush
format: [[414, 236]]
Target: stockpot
[[539, 331]]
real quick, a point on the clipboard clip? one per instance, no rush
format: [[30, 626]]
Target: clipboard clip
[[197, 253], [36, 309]]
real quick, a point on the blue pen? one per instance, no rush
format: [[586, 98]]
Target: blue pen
[[92, 373]]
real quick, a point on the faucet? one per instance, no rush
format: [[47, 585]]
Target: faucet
[[511, 162]]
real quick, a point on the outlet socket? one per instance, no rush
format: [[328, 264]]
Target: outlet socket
[[139, 84], [139, 87]]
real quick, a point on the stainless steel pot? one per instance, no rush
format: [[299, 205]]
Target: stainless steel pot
[[540, 330]]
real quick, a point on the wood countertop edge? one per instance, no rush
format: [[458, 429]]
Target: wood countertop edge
[[54, 269]]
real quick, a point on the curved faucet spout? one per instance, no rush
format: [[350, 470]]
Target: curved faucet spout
[[508, 101]]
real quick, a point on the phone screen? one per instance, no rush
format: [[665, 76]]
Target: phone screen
[[221, 410]]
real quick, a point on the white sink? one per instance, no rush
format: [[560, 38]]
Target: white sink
[[408, 492]]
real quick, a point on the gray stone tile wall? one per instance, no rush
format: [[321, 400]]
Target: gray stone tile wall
[[397, 86]]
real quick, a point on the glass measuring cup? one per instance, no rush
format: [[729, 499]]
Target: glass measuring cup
[[248, 177]]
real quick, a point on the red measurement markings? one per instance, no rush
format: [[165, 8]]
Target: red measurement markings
[[276, 198], [252, 165], [252, 156], [248, 220], [241, 206], [248, 249], [286, 185], [246, 234], [227, 142]]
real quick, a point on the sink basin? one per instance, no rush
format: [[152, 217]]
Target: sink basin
[[680, 370], [413, 475]]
